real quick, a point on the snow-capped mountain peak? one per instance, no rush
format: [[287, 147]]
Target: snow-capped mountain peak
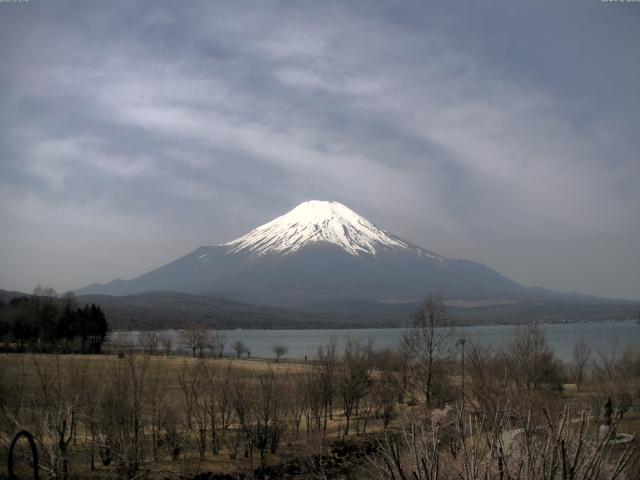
[[317, 221]]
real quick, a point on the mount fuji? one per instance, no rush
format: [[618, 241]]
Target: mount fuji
[[320, 253]]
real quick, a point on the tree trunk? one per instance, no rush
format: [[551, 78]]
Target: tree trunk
[[215, 448], [429, 378], [93, 451], [202, 445]]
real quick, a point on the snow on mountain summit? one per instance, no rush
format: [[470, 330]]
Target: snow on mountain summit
[[317, 222]]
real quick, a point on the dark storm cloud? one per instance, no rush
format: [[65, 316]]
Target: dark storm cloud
[[132, 132]]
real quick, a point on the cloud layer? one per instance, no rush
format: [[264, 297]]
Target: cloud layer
[[132, 132]]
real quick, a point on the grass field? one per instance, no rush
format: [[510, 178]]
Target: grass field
[[39, 381], [179, 416]]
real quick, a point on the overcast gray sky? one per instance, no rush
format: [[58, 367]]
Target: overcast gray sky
[[502, 132]]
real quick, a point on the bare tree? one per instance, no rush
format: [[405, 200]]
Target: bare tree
[[310, 391], [239, 348], [489, 378], [617, 376], [225, 397], [167, 344], [557, 447], [194, 338], [12, 388], [529, 360], [262, 411], [159, 413], [149, 342], [190, 380], [430, 342], [122, 415], [44, 292], [405, 355], [388, 363], [327, 360], [354, 378], [218, 344], [202, 407], [56, 421], [581, 356], [213, 386], [279, 351], [297, 393]]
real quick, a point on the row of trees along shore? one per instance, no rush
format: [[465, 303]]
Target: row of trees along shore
[[193, 339], [415, 411], [46, 322]]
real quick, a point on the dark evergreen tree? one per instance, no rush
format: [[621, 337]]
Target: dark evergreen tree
[[97, 328], [47, 322], [66, 322]]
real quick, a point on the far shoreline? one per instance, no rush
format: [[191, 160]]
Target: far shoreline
[[386, 327]]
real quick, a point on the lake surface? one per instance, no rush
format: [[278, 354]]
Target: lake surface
[[607, 337]]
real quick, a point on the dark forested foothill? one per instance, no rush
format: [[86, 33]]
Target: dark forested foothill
[[45, 321]]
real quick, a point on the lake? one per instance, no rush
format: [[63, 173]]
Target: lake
[[607, 337]]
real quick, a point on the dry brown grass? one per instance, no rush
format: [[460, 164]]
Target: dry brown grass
[[29, 370]]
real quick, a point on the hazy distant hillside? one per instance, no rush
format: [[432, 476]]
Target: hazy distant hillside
[[7, 295], [164, 310], [172, 310], [167, 310]]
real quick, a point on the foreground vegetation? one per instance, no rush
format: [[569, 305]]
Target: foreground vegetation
[[421, 410]]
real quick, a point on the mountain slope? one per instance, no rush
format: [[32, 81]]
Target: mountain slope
[[319, 253]]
